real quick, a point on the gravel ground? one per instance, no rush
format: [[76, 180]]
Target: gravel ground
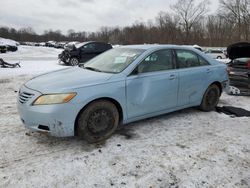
[[188, 148]]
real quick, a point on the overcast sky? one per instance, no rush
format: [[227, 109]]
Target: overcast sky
[[80, 15]]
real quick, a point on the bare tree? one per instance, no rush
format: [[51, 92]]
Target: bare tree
[[189, 14], [238, 13], [168, 29]]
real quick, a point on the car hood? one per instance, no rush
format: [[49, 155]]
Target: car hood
[[66, 80], [238, 50]]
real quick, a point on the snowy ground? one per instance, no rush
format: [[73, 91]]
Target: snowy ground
[[33, 60], [188, 148]]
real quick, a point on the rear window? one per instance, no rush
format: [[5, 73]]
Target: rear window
[[216, 51]]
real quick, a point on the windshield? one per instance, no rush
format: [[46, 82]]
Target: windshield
[[114, 61]]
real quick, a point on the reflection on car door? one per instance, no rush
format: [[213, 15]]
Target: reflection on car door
[[154, 86], [193, 77]]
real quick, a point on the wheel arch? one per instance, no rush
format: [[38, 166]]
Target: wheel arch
[[217, 83], [74, 56], [115, 102]]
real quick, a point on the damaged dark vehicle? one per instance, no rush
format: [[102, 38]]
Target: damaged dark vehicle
[[12, 48], [3, 48], [239, 67], [80, 53]]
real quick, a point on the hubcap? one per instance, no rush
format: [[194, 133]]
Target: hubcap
[[100, 122], [74, 62]]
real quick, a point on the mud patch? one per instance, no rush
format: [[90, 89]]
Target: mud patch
[[233, 111], [5, 81], [127, 133], [182, 146]]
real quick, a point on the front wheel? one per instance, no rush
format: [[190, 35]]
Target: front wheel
[[74, 61], [98, 121], [210, 98]]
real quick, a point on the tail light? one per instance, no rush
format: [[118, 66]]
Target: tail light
[[248, 64], [228, 70]]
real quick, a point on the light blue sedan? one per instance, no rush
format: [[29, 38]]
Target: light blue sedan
[[120, 86]]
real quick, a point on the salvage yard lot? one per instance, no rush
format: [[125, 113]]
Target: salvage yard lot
[[188, 148]]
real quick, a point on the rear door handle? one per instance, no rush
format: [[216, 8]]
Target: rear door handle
[[208, 71], [172, 77]]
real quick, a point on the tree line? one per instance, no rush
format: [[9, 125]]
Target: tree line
[[187, 23]]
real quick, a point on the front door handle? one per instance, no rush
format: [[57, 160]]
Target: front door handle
[[208, 71], [172, 77]]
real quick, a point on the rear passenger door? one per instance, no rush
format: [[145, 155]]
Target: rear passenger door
[[102, 47], [194, 71]]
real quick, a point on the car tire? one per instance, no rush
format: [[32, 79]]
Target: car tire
[[210, 98], [97, 121], [219, 57], [74, 61]]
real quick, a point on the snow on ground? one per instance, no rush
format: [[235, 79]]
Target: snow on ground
[[33, 60], [188, 148], [8, 42]]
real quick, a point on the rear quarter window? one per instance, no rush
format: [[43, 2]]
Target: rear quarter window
[[186, 59]]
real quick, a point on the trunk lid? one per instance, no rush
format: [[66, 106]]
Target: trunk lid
[[239, 50]]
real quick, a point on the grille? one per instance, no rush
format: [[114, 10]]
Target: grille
[[25, 97]]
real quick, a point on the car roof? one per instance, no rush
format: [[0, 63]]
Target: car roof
[[88, 42], [156, 46]]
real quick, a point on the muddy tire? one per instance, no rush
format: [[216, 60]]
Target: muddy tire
[[73, 61], [210, 98], [98, 121]]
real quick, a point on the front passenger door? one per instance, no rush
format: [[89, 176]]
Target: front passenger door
[[88, 51], [153, 85]]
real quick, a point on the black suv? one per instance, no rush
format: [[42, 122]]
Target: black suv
[[82, 52], [239, 67], [3, 48]]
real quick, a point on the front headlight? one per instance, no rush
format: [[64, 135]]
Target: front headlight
[[54, 98]]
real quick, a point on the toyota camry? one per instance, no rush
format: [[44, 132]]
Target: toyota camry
[[120, 86]]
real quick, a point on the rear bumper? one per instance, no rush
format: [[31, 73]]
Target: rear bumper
[[240, 81]]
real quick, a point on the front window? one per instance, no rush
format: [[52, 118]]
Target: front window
[[114, 61], [158, 61], [90, 46]]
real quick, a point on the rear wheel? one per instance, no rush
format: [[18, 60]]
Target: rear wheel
[[210, 98], [74, 61], [219, 57], [98, 121]]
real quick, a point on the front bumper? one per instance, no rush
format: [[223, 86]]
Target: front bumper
[[56, 120], [64, 57]]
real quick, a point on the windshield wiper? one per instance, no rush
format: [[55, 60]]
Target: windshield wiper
[[92, 68]]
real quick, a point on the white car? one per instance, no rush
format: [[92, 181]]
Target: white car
[[216, 54]]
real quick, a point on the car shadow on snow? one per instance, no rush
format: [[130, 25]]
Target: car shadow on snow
[[129, 131], [126, 132]]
